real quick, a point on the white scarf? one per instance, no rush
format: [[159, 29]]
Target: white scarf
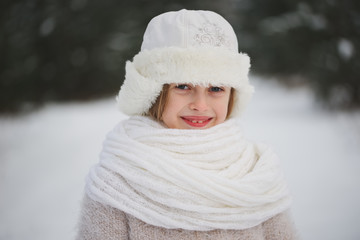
[[190, 179]]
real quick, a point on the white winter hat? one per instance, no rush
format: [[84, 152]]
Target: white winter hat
[[190, 47]]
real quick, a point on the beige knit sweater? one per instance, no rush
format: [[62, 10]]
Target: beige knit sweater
[[100, 222]]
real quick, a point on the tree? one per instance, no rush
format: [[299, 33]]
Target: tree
[[316, 40], [70, 50]]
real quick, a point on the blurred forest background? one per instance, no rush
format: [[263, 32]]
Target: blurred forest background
[[52, 50]]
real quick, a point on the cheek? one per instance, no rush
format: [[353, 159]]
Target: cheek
[[174, 104], [221, 108], [222, 112], [169, 115], [166, 118]]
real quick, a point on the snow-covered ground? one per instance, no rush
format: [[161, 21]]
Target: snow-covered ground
[[45, 155]]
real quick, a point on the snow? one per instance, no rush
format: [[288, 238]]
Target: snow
[[346, 48], [45, 156]]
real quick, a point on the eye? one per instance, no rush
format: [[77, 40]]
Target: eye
[[216, 89], [183, 87]]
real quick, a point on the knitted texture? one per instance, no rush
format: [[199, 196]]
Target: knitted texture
[[189, 179], [101, 222]]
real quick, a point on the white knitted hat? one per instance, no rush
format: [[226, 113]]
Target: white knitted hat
[[190, 47]]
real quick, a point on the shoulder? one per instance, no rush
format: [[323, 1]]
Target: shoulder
[[98, 210], [281, 226], [99, 221]]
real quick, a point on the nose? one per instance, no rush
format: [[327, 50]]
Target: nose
[[199, 101]]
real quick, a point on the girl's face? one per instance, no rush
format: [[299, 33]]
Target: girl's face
[[195, 107]]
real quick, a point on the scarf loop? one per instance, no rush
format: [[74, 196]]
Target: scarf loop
[[189, 179]]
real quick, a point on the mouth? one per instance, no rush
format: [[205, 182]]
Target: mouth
[[197, 121]]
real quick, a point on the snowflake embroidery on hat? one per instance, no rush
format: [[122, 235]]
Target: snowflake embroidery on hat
[[213, 35]]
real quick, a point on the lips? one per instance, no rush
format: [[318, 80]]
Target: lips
[[197, 121]]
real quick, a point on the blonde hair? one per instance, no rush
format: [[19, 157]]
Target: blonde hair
[[158, 107]]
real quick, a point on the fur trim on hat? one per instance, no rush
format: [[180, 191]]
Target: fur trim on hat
[[151, 69]]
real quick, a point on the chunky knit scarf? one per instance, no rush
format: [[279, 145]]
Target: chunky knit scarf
[[190, 179]]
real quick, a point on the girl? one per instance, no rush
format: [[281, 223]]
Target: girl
[[179, 167]]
